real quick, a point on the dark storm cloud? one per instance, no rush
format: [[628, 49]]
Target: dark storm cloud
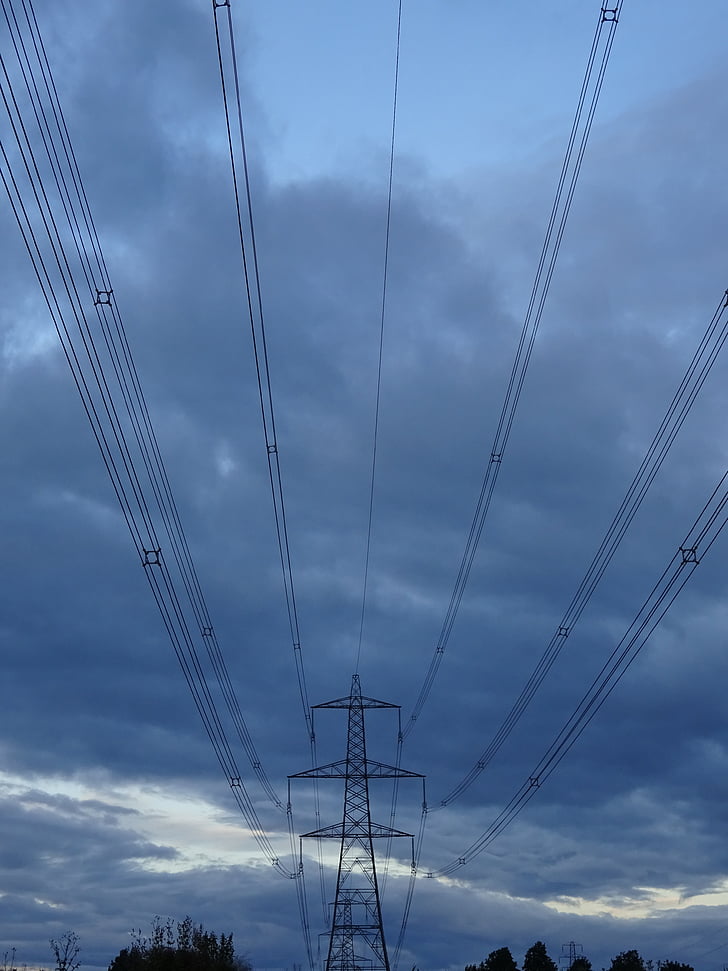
[[89, 681]]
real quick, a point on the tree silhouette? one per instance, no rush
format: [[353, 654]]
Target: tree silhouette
[[9, 961], [628, 961], [537, 959], [182, 947], [499, 960], [66, 949], [581, 964]]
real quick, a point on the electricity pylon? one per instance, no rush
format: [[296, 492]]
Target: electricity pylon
[[357, 914], [575, 950]]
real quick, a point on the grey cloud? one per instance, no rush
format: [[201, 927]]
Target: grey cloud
[[89, 679]]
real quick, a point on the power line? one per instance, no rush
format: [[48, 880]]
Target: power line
[[88, 366], [592, 81], [232, 103], [410, 886], [719, 947], [161, 585], [701, 939], [227, 62], [588, 98], [128, 379], [690, 553], [381, 338], [682, 401]]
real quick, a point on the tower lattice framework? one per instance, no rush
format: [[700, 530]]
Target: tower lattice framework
[[357, 935]]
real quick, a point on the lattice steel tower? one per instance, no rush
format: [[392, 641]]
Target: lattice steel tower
[[357, 915]]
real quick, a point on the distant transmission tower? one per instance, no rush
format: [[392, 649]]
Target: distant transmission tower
[[357, 934], [575, 951]]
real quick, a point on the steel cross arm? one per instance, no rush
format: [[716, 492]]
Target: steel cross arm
[[373, 770], [362, 700], [340, 831], [360, 896]]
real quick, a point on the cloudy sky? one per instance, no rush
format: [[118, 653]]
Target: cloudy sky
[[113, 805]]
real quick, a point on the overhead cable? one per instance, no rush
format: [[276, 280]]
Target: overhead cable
[[591, 86], [382, 315], [410, 887], [588, 98], [232, 102], [682, 401], [85, 237], [697, 543], [230, 84], [105, 377]]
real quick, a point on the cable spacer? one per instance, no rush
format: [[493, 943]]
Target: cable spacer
[[207, 631], [534, 782], [220, 3], [689, 554], [153, 557], [461, 861], [235, 782], [103, 298], [496, 456], [272, 449], [609, 14], [563, 631]]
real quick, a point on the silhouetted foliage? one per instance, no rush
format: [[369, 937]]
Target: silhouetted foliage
[[66, 949], [628, 961], [181, 947], [8, 963], [537, 959], [500, 960], [581, 964]]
